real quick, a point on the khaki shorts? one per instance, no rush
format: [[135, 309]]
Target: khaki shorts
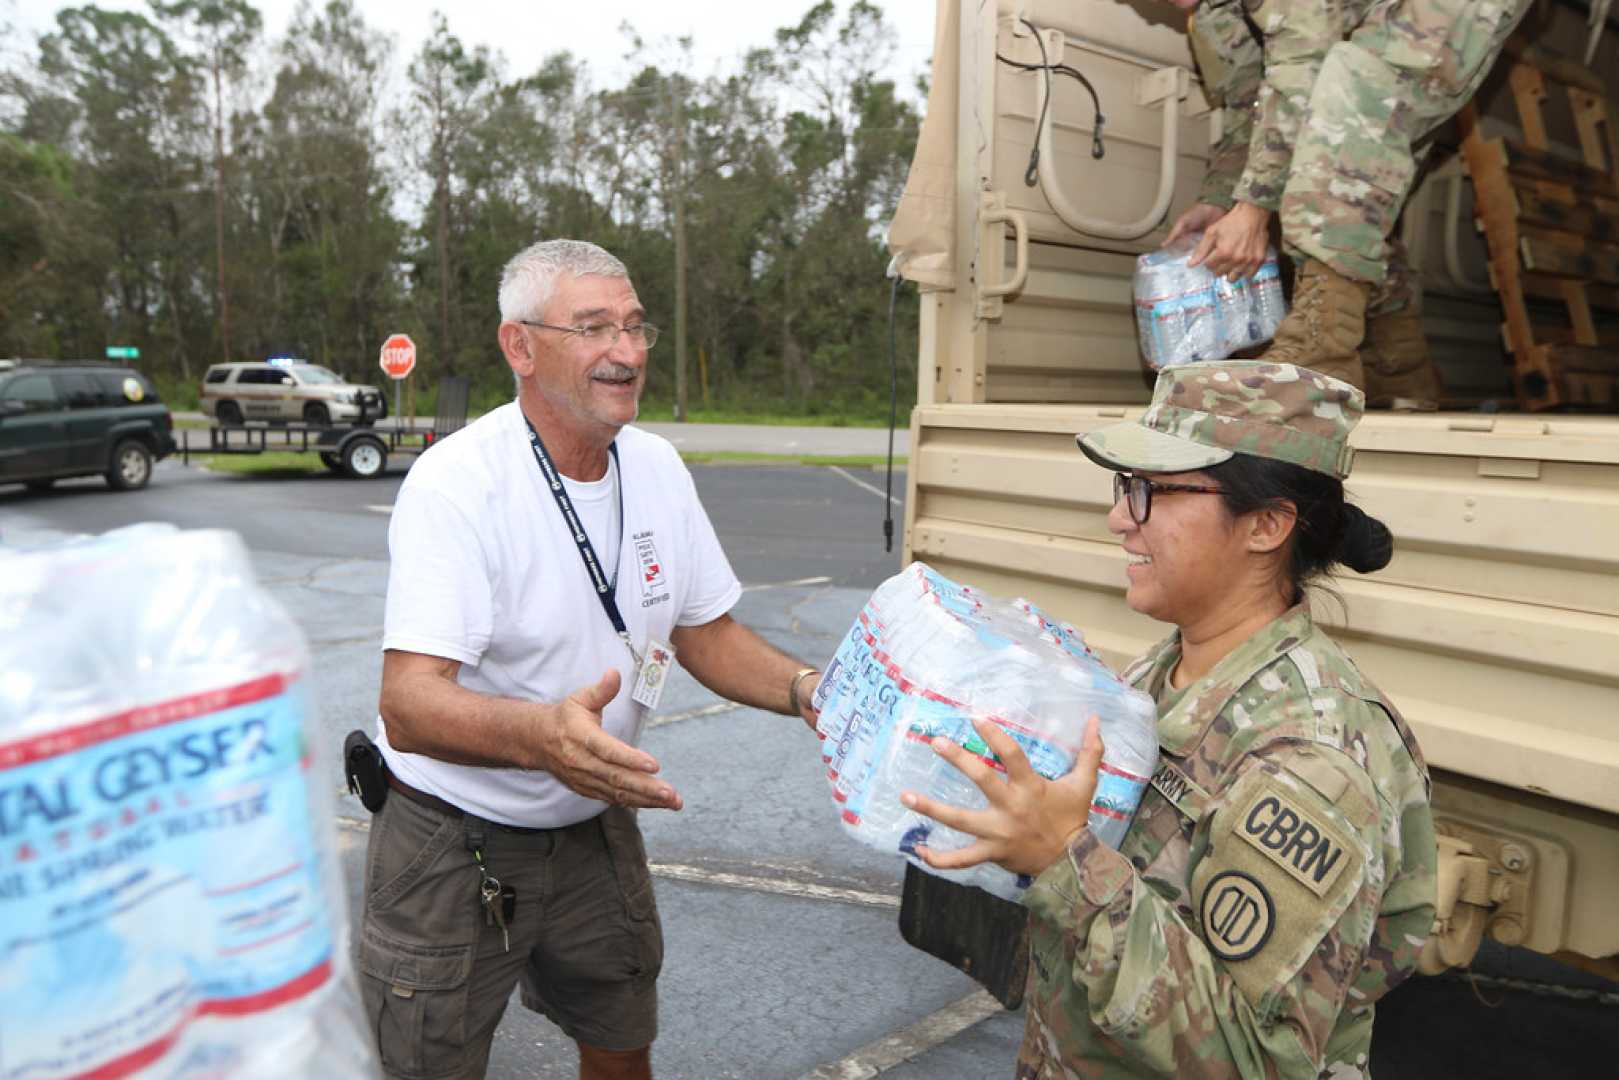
[[586, 943]]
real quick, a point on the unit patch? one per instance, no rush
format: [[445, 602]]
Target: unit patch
[[1238, 915], [1312, 853]]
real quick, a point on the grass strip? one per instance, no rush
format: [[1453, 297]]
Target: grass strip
[[268, 464]]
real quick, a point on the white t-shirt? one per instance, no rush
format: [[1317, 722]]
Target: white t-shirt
[[485, 572]]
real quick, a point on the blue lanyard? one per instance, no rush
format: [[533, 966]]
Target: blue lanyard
[[606, 587]]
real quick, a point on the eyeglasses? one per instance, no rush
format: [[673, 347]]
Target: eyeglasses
[[604, 335], [1137, 491]]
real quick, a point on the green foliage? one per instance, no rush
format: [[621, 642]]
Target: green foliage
[[139, 153]]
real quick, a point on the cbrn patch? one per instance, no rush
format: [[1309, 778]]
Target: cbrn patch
[[1313, 853], [1238, 915]]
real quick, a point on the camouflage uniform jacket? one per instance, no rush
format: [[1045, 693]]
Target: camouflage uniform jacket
[[1277, 880], [1259, 60]]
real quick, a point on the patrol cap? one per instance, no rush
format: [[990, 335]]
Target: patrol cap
[[1201, 414]]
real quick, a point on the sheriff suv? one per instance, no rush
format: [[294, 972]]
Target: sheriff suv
[[80, 419], [282, 390]]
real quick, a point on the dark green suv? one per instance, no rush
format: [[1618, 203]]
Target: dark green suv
[[80, 419]]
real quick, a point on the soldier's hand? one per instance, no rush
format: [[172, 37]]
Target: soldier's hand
[[574, 749], [1030, 821], [1194, 219], [1234, 246]]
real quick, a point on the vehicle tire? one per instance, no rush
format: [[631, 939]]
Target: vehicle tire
[[365, 458], [131, 467], [332, 461], [382, 408], [317, 415], [44, 483], [228, 413]]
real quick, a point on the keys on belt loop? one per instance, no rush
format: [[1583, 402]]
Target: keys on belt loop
[[499, 901], [491, 892]]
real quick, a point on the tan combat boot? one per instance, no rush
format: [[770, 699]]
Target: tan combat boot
[[1323, 330], [1400, 372]]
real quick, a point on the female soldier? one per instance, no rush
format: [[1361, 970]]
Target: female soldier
[[1278, 877]]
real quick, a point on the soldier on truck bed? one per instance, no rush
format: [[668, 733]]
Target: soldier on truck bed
[[1329, 110]]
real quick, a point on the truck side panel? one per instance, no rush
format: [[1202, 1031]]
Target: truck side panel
[[1495, 628]]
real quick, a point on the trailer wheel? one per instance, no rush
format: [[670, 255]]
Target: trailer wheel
[[332, 461], [365, 458]]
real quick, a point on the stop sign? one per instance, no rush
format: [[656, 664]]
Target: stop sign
[[398, 356]]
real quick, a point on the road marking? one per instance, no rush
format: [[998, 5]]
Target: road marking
[[879, 1056], [787, 584], [841, 471], [381, 509], [692, 714], [779, 886]]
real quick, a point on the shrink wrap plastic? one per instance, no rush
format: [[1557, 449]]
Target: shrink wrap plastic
[[1186, 313], [170, 899], [926, 656]]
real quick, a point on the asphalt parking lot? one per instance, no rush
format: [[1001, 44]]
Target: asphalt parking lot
[[783, 957]]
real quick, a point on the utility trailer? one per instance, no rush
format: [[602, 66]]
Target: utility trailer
[[360, 453]]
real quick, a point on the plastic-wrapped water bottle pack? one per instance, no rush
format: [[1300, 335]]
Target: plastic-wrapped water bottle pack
[[923, 659], [170, 899], [1187, 313]]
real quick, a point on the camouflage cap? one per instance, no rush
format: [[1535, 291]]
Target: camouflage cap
[[1203, 413]]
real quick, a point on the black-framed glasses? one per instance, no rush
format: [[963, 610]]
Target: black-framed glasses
[[604, 334], [1136, 491]]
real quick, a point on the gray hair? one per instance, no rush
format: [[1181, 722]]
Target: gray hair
[[529, 279]]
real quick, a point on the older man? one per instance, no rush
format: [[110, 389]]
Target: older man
[[1330, 109], [547, 563]]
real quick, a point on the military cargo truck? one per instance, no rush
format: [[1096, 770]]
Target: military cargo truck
[[1496, 626]]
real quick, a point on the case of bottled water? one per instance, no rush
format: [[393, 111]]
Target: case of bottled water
[[924, 658], [1187, 313], [170, 898]]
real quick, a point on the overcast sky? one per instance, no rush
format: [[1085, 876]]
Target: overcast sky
[[526, 32]]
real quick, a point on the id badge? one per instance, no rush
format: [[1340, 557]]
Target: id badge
[[653, 672]]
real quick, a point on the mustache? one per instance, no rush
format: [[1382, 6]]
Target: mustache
[[612, 371]]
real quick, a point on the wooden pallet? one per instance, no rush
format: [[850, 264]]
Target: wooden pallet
[[1552, 225]]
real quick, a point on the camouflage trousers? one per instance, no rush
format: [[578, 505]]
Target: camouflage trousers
[[1400, 288], [1409, 67]]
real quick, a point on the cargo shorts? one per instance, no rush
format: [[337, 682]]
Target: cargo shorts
[[586, 944]]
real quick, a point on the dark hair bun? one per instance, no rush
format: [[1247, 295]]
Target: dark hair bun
[[1366, 543]]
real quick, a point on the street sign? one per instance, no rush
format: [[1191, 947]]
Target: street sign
[[123, 352], [398, 356]]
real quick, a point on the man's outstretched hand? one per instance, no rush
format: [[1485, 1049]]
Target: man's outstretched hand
[[574, 749]]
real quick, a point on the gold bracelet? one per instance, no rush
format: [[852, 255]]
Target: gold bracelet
[[793, 706]]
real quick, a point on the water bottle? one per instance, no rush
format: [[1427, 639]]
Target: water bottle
[[939, 654], [1128, 730], [170, 892], [1269, 304], [1160, 317], [1187, 313]]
